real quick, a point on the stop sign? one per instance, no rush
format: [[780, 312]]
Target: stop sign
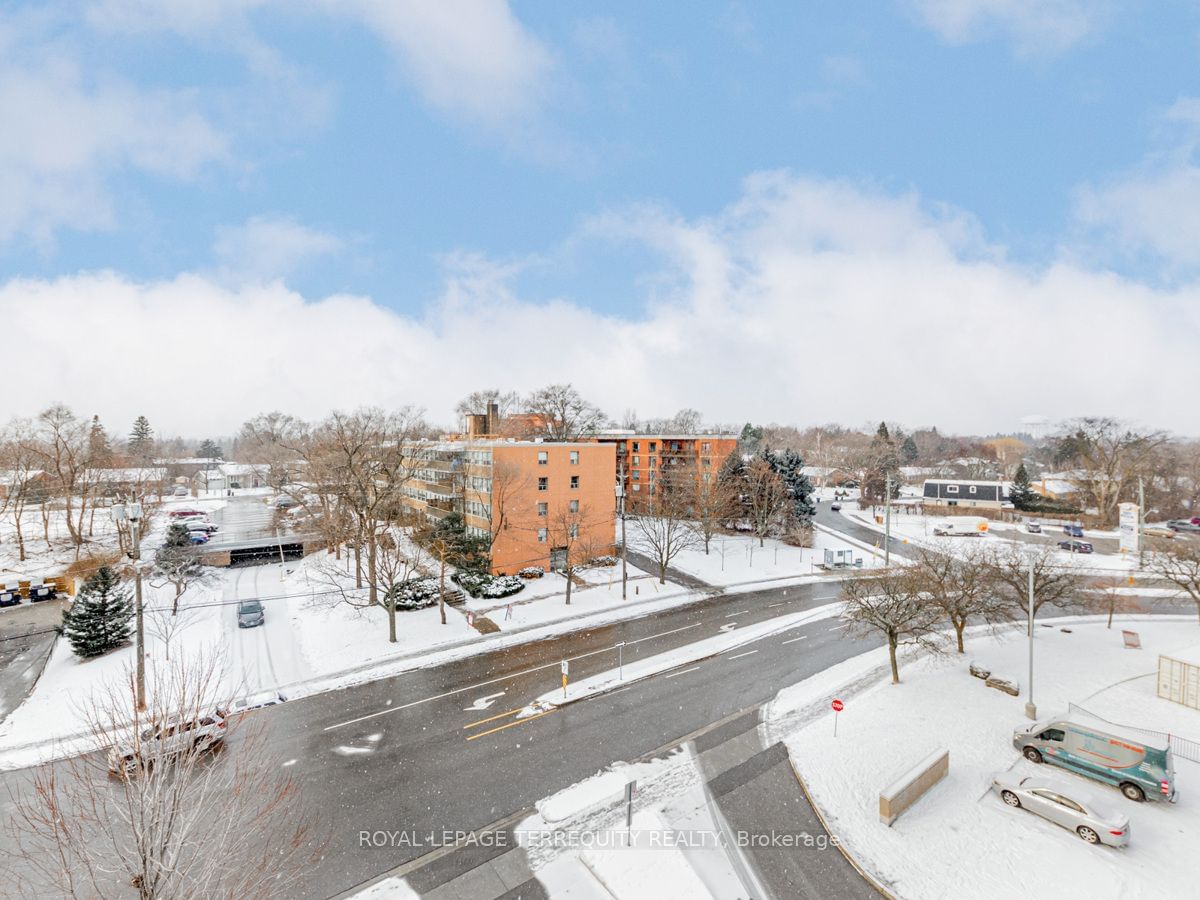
[[837, 705]]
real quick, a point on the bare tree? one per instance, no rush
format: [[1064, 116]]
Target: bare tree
[[1109, 456], [476, 403], [960, 587], [509, 482], [23, 480], [570, 533], [62, 446], [1180, 565], [893, 605], [663, 528], [1053, 583], [567, 415], [711, 501], [1107, 594], [177, 562], [168, 624], [766, 497], [183, 820], [270, 439]]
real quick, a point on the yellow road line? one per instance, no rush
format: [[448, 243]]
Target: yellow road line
[[511, 724], [495, 717]]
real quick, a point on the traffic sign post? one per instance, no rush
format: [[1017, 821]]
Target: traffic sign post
[[565, 669], [838, 706], [621, 661]]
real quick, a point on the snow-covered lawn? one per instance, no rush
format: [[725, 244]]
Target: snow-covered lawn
[[737, 559], [959, 840]]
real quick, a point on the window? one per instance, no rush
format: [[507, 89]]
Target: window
[[573, 531], [574, 506], [637, 460], [543, 457], [543, 484], [706, 447], [574, 482], [543, 510], [653, 446], [542, 535], [636, 445], [636, 488], [574, 457], [706, 462], [972, 489], [637, 476], [1052, 734], [707, 477], [952, 489]]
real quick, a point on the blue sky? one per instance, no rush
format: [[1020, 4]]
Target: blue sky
[[573, 156]]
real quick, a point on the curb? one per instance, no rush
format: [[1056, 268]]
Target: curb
[[858, 867]]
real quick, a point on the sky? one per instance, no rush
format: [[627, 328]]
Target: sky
[[960, 213]]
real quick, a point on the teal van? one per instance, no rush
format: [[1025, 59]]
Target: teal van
[[1141, 769]]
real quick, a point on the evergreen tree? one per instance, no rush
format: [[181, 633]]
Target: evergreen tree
[[750, 438], [99, 448], [99, 619], [210, 450], [789, 466], [1022, 493], [908, 450], [141, 439], [178, 560], [882, 435]]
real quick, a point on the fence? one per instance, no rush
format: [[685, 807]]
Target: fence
[[1180, 746]]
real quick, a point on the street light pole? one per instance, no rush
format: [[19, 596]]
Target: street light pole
[[1030, 708], [1141, 522], [132, 513], [621, 512]]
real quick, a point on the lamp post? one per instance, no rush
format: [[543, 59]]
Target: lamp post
[[1030, 707], [132, 513], [887, 520]]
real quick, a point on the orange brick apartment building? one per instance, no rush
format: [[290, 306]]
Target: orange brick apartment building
[[533, 496], [642, 457]]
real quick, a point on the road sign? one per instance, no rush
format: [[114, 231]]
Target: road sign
[[564, 667], [838, 705]]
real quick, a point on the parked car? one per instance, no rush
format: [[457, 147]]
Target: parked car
[[1033, 527], [180, 491], [1184, 525], [835, 506], [283, 501], [1065, 804], [198, 537], [1158, 531], [250, 613], [1141, 769], [167, 739], [184, 512], [200, 525], [258, 701], [1075, 531], [1075, 546]]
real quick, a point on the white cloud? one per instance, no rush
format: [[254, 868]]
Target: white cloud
[[267, 247], [1152, 210], [65, 135], [1036, 26], [805, 301]]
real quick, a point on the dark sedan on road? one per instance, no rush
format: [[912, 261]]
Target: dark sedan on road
[[250, 613], [1075, 546], [1075, 531]]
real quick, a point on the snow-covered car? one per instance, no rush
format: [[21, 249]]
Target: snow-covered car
[[1157, 531], [258, 701], [835, 506], [1075, 546], [1065, 804], [200, 525], [184, 513], [167, 739], [180, 491], [1033, 527]]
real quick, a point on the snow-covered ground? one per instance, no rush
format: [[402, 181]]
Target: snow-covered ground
[[960, 840], [738, 559]]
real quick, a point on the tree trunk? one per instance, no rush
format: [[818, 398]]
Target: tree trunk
[[959, 625], [707, 540], [175, 604], [20, 539], [662, 572], [391, 608], [442, 586], [358, 565], [568, 569], [46, 525], [1112, 602], [892, 659], [372, 595]]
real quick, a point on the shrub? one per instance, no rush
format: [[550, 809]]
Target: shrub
[[488, 586], [531, 573], [416, 593], [603, 561]]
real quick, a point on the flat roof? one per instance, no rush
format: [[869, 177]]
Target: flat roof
[[644, 435]]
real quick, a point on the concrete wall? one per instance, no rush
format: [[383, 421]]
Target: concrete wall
[[912, 785]]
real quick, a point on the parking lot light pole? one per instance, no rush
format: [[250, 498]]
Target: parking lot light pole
[[132, 513]]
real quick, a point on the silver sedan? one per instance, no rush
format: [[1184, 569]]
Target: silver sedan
[[1065, 804]]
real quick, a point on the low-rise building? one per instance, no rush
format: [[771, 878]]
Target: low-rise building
[[962, 492], [530, 499], [642, 458]]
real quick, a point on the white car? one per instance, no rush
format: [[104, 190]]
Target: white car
[[258, 701], [167, 739], [200, 525]]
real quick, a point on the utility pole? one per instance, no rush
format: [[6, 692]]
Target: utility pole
[[1141, 522], [1030, 708], [132, 513], [621, 513], [887, 520]]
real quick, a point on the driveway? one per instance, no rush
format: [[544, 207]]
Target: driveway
[[26, 638]]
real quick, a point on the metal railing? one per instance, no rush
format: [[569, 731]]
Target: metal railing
[[1180, 746]]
